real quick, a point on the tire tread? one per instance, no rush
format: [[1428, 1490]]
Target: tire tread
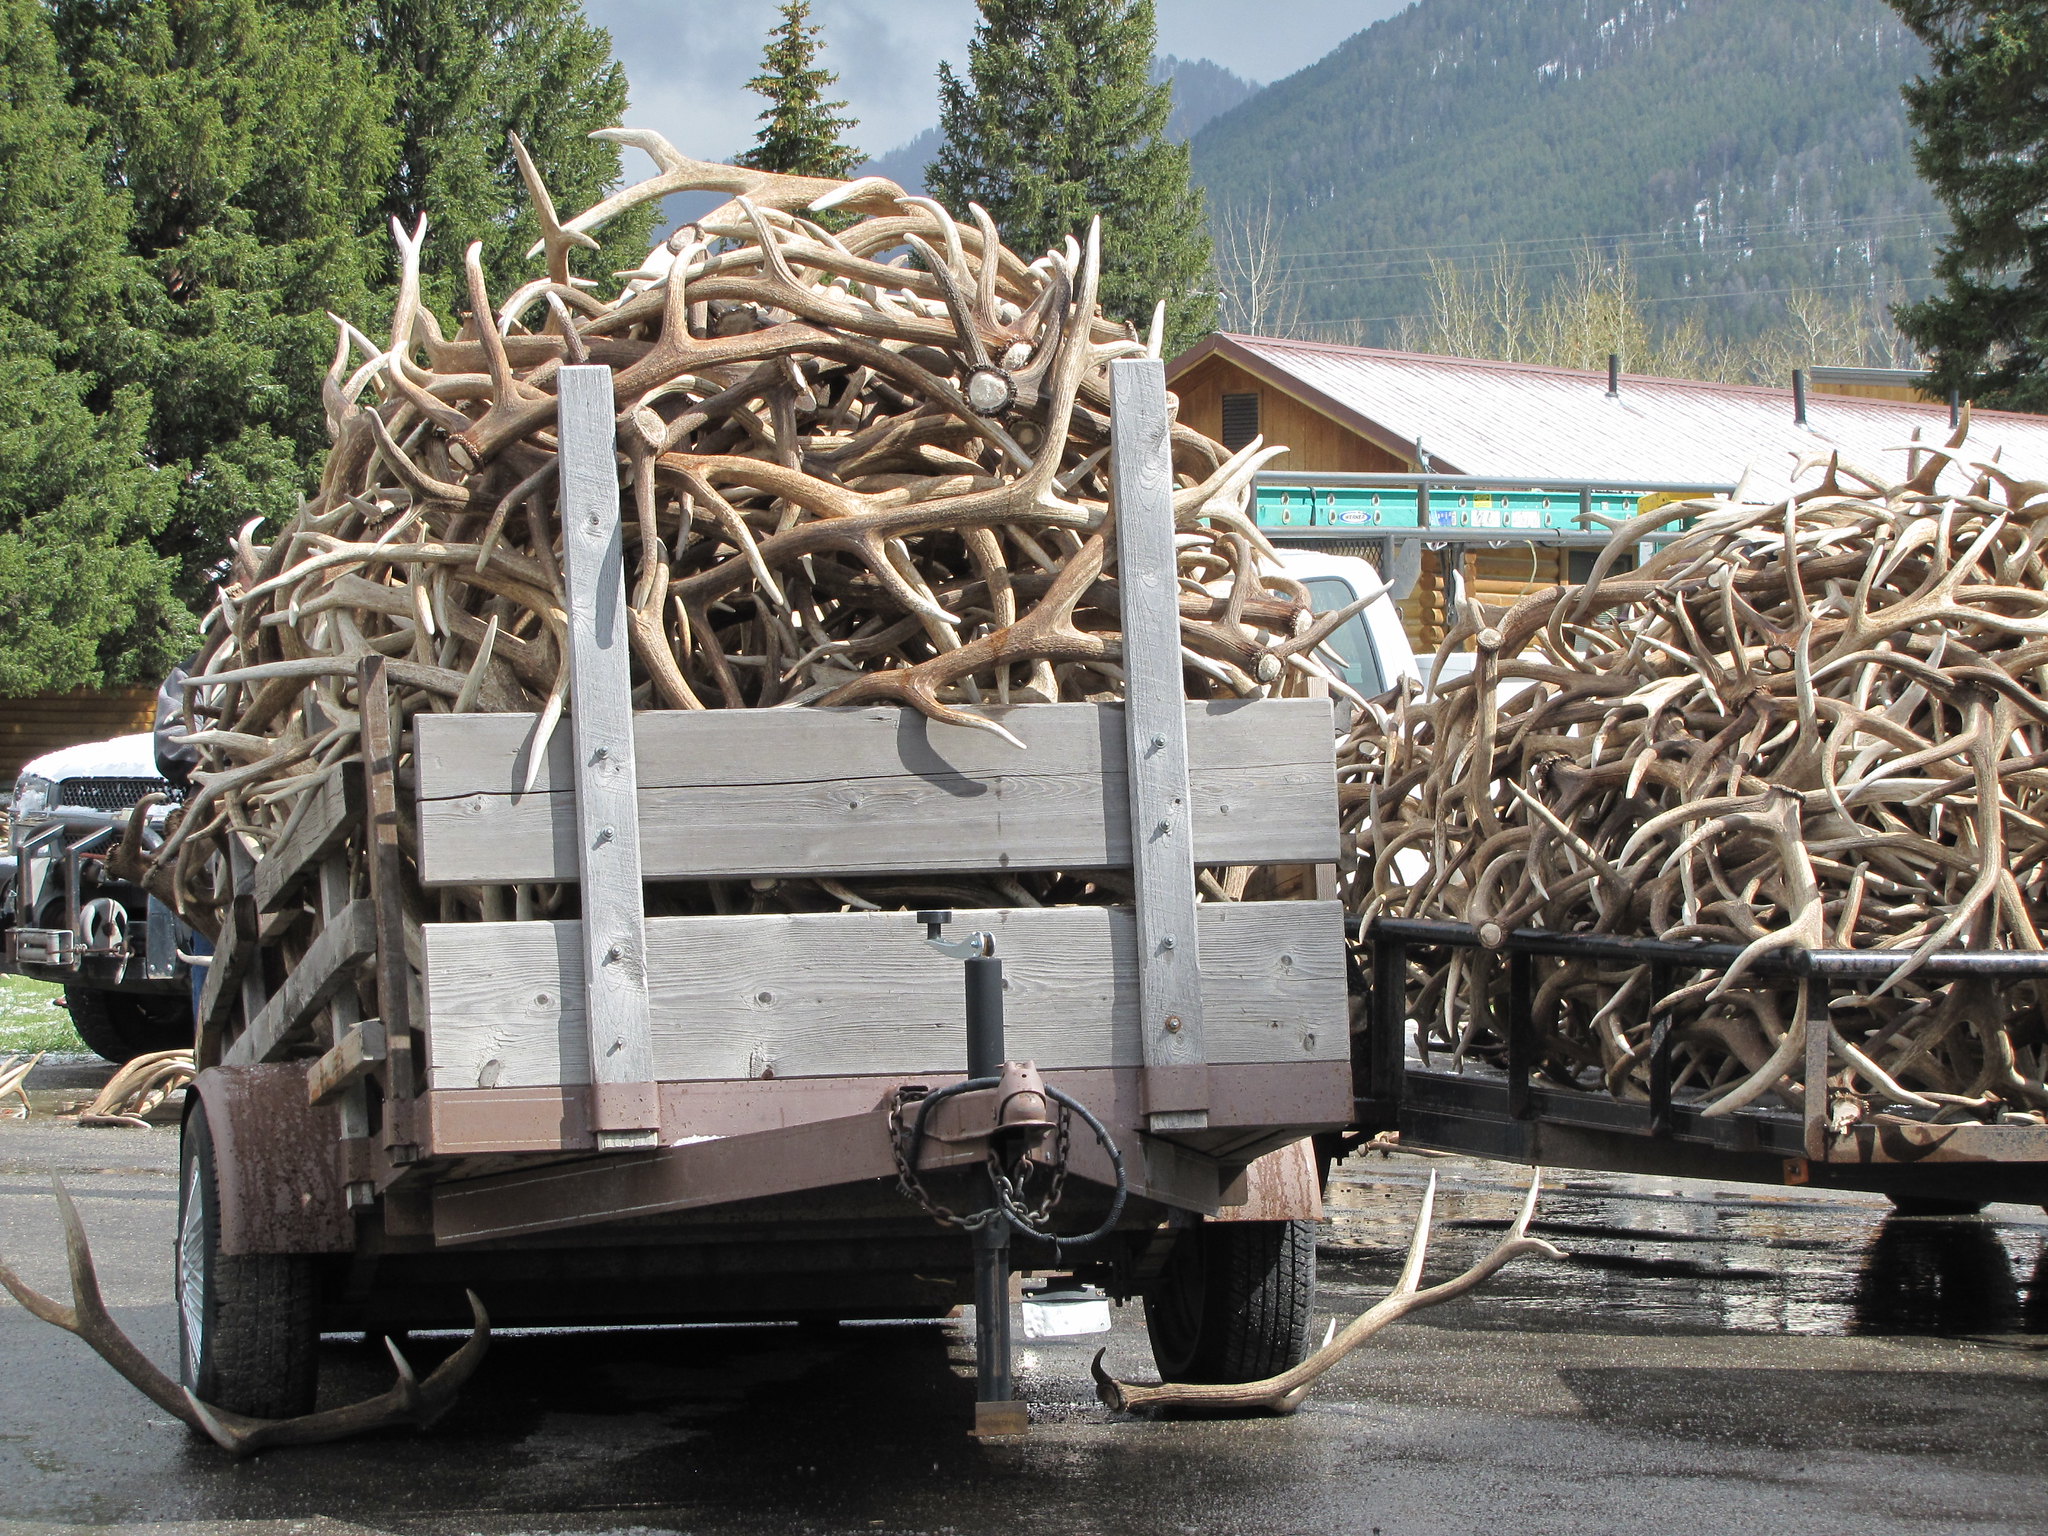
[[263, 1335]]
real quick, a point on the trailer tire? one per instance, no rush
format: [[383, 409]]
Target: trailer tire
[[1935, 1205], [122, 1025], [1234, 1301], [248, 1323]]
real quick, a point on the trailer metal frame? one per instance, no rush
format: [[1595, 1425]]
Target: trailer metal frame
[[1507, 1114]]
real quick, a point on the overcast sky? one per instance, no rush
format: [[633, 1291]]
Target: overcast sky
[[689, 60]]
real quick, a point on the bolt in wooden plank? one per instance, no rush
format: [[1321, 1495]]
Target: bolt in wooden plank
[[1162, 842], [626, 1108]]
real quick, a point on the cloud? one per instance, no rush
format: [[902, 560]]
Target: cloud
[[688, 61]]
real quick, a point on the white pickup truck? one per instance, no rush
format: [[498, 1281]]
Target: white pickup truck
[[1371, 647], [63, 918]]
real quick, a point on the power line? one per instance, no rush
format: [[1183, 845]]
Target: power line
[[1677, 298], [1304, 284], [1391, 270], [1660, 235]]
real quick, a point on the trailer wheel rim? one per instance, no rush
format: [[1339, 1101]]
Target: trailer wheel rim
[[192, 1273]]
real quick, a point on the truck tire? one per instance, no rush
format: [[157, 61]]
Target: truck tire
[[122, 1025], [1233, 1302], [248, 1329]]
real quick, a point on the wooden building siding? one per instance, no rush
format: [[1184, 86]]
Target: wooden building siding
[[1314, 441], [37, 723], [1495, 577], [1871, 391]]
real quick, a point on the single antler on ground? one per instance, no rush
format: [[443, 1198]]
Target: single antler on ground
[[409, 1401], [1284, 1393], [140, 1086]]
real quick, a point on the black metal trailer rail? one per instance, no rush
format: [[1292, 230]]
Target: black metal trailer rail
[[1510, 1116]]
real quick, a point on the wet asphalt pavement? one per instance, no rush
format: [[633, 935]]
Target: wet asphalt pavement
[[1709, 1359]]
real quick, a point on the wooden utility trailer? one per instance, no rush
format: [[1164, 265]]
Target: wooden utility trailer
[[627, 1116], [1513, 1112]]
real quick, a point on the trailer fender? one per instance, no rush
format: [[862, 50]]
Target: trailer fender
[[1281, 1186], [277, 1161]]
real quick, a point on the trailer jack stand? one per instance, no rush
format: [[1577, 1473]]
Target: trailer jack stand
[[998, 1411], [1021, 1104]]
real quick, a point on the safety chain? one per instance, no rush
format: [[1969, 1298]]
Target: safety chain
[[907, 1181], [1011, 1194]]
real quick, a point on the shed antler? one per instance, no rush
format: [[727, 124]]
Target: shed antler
[[409, 1401], [1284, 1393]]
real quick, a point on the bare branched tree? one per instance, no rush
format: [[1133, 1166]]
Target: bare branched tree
[[1486, 310], [1258, 292]]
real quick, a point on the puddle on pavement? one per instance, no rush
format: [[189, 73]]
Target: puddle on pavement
[[1654, 1255]]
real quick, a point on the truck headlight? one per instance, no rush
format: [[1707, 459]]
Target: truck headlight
[[33, 795]]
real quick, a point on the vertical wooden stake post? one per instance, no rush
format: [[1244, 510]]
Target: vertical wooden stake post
[[626, 1112], [1155, 725]]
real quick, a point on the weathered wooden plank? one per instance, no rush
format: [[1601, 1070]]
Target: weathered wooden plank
[[824, 994], [232, 956], [347, 1062], [726, 794], [333, 811], [1156, 745], [613, 929], [339, 947], [387, 894]]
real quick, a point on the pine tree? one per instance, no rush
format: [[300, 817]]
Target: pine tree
[[84, 600], [799, 135], [249, 136], [464, 75], [1057, 121], [259, 149], [1982, 117]]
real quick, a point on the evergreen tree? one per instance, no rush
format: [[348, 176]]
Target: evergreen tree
[[84, 600], [1982, 116], [799, 135], [466, 74], [258, 149], [250, 137], [1057, 121]]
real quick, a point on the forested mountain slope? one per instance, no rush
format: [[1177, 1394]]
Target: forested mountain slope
[[1201, 90], [1735, 150]]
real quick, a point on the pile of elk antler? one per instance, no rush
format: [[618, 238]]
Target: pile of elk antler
[[859, 467], [1819, 723]]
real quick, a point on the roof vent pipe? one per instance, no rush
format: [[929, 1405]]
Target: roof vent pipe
[[1799, 396], [1955, 409], [1614, 375]]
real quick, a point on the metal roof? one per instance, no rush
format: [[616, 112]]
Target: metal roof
[[1479, 417]]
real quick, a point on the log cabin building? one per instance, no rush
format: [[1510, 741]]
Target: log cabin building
[[1364, 410]]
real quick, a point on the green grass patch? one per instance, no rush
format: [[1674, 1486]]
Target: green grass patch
[[30, 1022]]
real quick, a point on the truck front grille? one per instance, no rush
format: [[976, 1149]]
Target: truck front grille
[[110, 794]]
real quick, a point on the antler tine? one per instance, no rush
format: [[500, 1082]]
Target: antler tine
[[409, 1401], [87, 1316], [680, 173], [554, 239], [1284, 1393]]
